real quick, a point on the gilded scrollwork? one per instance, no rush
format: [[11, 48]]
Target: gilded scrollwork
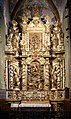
[[47, 43], [10, 75], [60, 95], [23, 74], [28, 96], [47, 74], [53, 94], [14, 82], [57, 73], [56, 94]]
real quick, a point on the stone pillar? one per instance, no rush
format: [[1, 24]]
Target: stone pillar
[[69, 6], [3, 31], [66, 31], [2, 45]]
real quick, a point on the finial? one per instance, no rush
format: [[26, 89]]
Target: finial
[[14, 23], [47, 18], [24, 19]]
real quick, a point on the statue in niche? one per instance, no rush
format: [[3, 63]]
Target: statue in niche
[[14, 42], [14, 27], [16, 79], [35, 76], [55, 36], [54, 42], [35, 68], [15, 37], [56, 74]]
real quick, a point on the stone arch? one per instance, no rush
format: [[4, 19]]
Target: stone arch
[[49, 2]]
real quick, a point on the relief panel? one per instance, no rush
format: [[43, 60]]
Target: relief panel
[[35, 41], [58, 73], [35, 76]]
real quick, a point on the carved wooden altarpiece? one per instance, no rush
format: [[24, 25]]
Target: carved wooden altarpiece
[[35, 63]]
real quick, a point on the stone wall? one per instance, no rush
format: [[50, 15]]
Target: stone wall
[[2, 45]]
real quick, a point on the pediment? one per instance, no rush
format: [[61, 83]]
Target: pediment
[[36, 25]]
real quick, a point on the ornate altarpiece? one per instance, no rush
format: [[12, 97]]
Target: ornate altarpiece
[[34, 62]]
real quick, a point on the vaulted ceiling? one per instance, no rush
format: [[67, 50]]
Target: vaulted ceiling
[[53, 8]]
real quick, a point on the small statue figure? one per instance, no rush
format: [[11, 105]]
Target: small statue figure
[[24, 24], [56, 73], [35, 11], [55, 36], [48, 24], [55, 41], [15, 28], [16, 80], [15, 36]]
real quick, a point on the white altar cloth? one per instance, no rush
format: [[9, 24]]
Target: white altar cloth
[[30, 105]]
